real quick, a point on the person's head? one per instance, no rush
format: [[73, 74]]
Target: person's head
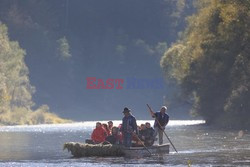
[[148, 125], [105, 126], [163, 109], [110, 123], [98, 124], [143, 126], [126, 112], [120, 126], [114, 130]]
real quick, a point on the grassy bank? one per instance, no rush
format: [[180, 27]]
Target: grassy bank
[[23, 116]]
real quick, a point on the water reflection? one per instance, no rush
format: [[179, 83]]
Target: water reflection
[[15, 145]]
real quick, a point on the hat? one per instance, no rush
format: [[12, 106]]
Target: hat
[[126, 110], [164, 108]]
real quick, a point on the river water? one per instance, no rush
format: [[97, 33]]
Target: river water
[[197, 145]]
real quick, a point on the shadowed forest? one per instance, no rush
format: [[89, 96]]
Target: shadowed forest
[[200, 48]]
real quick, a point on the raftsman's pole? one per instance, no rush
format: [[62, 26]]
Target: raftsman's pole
[[141, 143], [152, 113]]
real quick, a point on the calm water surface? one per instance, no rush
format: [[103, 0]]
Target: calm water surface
[[41, 145]]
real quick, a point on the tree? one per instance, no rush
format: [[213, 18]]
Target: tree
[[15, 89], [211, 61]]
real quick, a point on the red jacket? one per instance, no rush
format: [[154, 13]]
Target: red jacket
[[99, 134]]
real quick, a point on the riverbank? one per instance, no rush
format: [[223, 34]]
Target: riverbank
[[28, 117]]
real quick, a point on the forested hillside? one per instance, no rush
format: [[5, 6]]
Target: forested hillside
[[15, 88], [201, 47], [211, 62], [67, 41]]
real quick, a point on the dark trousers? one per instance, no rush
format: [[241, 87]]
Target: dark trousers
[[127, 139]]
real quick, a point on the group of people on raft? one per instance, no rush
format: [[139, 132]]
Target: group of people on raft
[[128, 133]]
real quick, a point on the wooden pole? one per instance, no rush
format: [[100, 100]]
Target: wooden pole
[[152, 113], [141, 142]]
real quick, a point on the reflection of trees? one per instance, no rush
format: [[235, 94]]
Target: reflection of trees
[[14, 146]]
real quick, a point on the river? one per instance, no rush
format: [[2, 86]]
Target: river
[[197, 145]]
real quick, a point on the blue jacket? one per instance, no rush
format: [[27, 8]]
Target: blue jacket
[[129, 124], [163, 119]]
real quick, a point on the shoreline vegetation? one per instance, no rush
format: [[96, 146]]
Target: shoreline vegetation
[[210, 62], [16, 104], [29, 117]]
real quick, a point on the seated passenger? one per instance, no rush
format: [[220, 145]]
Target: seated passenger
[[99, 134], [115, 137], [135, 141], [110, 125], [142, 132], [105, 126], [149, 135], [120, 131]]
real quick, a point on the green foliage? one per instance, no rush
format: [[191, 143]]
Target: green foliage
[[211, 61], [175, 63], [15, 89]]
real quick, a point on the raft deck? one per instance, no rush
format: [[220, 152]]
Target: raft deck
[[86, 150]]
